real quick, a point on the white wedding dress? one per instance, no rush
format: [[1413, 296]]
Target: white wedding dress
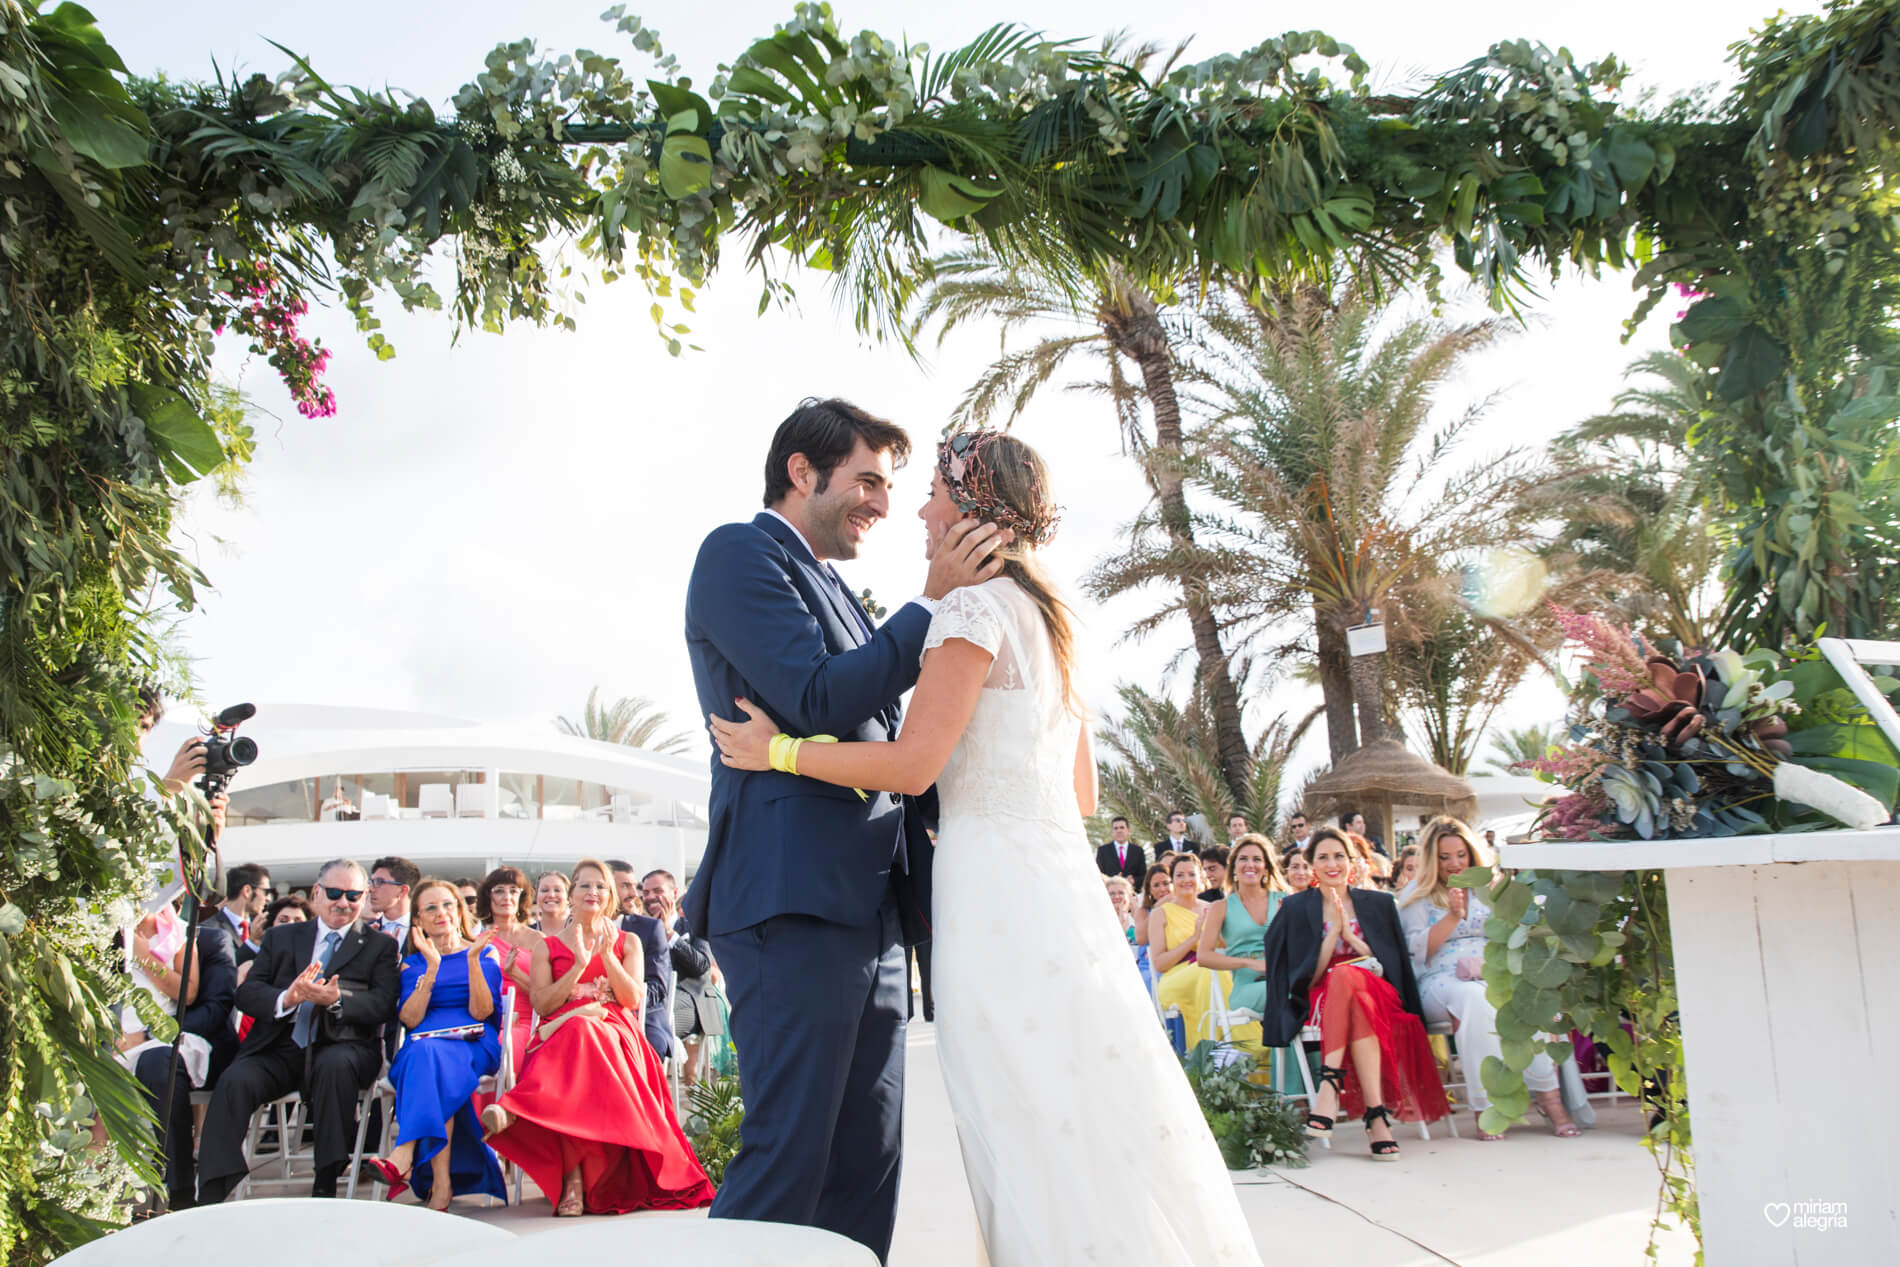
[[1081, 1138]]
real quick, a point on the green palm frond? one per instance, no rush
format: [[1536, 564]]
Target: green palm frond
[[632, 720]]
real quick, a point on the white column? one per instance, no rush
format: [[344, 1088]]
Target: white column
[[1789, 980]]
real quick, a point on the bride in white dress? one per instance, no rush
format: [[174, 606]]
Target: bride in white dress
[[1081, 1138]]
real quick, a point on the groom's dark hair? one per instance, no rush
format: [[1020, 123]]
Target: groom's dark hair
[[826, 431]]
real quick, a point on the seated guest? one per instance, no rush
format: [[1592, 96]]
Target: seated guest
[[1404, 871], [451, 985], [1233, 936], [288, 909], [1444, 930], [1298, 872], [550, 903], [1121, 899], [590, 1116], [1171, 939], [469, 891], [1214, 870], [658, 1013], [1336, 959], [1369, 867], [695, 997], [319, 994], [207, 1043], [1155, 888], [247, 888], [501, 904]]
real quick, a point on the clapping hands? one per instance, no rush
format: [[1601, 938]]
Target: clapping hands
[[425, 946], [309, 987]]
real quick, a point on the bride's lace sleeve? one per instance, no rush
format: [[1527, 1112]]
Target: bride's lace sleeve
[[976, 617]]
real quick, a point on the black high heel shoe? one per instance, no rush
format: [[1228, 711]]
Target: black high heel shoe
[[1382, 1149], [1316, 1125]]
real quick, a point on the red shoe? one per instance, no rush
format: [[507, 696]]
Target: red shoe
[[387, 1174]]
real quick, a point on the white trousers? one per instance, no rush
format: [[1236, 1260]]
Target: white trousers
[[1447, 998]]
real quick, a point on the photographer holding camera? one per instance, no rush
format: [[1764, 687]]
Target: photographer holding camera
[[191, 971]]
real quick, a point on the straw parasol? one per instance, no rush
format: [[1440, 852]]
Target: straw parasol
[[1383, 774]]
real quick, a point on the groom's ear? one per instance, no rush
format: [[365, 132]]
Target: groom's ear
[[801, 471]]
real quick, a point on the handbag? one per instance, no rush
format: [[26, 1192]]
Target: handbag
[[1366, 963]]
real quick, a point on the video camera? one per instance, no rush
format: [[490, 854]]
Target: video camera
[[225, 750]]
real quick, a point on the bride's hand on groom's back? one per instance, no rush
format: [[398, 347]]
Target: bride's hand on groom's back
[[745, 745], [965, 556]]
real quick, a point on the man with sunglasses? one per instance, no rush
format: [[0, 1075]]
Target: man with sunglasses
[[248, 891], [319, 994]]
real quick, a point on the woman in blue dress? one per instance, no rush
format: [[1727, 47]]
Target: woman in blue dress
[[451, 991]]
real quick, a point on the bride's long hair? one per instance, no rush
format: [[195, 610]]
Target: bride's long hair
[[1014, 484]]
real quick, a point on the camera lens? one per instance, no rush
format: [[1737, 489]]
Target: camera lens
[[243, 750]]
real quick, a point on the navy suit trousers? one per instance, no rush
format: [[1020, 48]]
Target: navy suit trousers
[[818, 1015]]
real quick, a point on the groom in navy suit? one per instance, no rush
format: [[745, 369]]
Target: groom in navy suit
[[809, 892]]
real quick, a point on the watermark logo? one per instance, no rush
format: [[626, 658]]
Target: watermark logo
[[1807, 1216]]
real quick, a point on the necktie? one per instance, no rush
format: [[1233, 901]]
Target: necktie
[[244, 929], [858, 613], [1121, 855], [301, 1032]]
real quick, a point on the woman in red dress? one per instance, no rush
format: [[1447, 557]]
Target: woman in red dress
[[590, 1116], [1336, 958]]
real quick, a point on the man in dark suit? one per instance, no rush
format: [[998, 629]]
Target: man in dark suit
[[1177, 838], [1121, 856], [319, 994], [658, 1017], [247, 892], [695, 1013], [808, 892], [208, 1016]]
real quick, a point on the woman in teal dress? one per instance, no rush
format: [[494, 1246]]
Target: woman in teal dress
[[1233, 936], [451, 991]]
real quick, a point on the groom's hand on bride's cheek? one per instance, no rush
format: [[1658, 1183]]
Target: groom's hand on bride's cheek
[[965, 556]]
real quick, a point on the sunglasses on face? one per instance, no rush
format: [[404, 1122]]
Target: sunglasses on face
[[342, 895]]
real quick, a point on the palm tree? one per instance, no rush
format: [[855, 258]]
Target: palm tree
[[1161, 756], [1451, 680], [1513, 747], [1121, 324], [1637, 529], [632, 720], [1318, 446]]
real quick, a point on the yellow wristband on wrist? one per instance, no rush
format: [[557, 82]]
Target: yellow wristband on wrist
[[782, 754]]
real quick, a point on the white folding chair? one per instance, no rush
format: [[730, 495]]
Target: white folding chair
[[1222, 1019], [436, 800], [376, 805], [1310, 1034], [1462, 1083], [288, 1112]]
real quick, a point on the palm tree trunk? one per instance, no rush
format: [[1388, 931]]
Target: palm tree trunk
[[1368, 689], [1133, 327], [1335, 682]]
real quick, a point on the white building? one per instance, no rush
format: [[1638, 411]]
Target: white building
[[456, 797]]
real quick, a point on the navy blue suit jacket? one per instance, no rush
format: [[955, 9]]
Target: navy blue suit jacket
[[210, 1016], [658, 1018], [764, 621]]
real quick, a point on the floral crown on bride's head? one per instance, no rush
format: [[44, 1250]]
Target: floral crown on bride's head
[[967, 467]]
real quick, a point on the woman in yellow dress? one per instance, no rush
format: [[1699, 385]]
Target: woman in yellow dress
[[1173, 937]]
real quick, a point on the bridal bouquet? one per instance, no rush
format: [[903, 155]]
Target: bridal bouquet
[[1666, 743]]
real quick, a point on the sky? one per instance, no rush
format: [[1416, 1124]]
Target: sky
[[490, 526]]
